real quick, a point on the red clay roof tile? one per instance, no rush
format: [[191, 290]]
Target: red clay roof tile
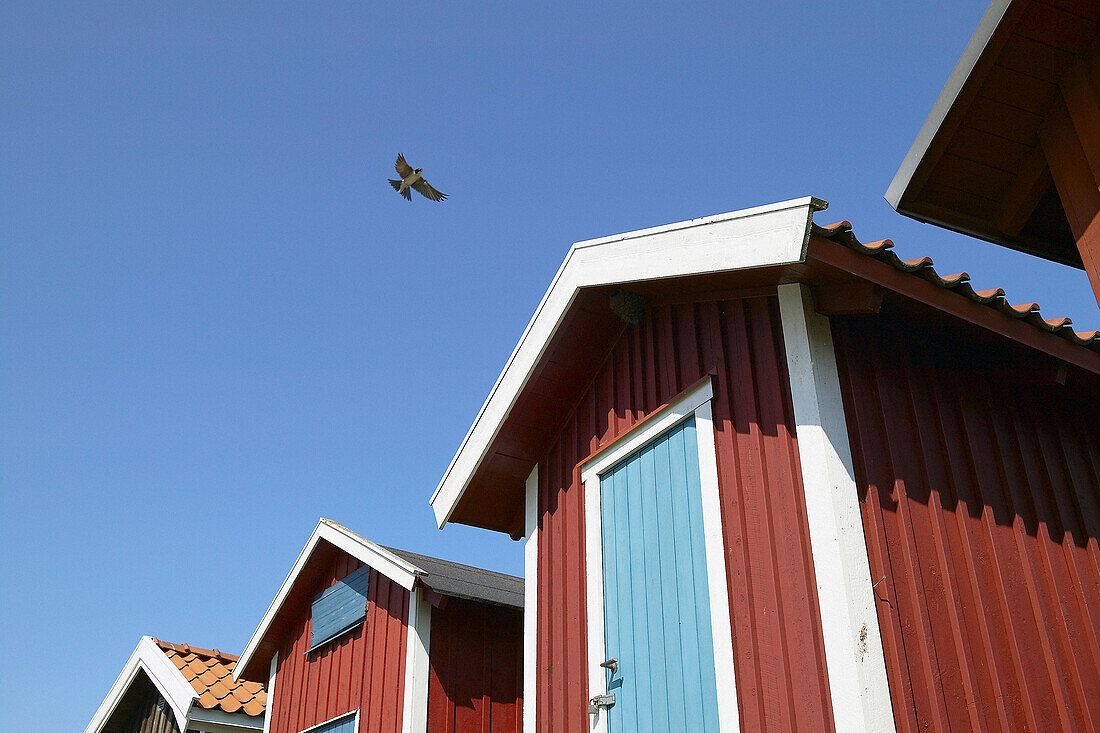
[[210, 672], [841, 232]]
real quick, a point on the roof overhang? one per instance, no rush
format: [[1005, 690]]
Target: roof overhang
[[730, 255], [751, 239], [976, 165], [168, 680], [254, 661]]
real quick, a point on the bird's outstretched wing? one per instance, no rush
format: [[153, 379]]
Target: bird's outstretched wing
[[426, 189], [403, 169], [407, 193]]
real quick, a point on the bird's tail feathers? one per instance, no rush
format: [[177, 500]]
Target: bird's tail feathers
[[396, 184]]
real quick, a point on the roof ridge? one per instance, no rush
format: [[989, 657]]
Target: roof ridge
[[959, 283], [196, 650], [452, 563]]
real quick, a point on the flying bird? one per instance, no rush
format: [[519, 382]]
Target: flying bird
[[412, 179]]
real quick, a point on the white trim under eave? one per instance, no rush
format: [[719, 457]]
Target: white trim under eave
[[849, 619], [697, 404], [418, 637], [219, 721], [955, 82], [764, 236], [531, 601], [168, 680], [375, 556]]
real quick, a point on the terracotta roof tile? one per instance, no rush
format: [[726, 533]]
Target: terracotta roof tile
[[841, 232], [210, 672]]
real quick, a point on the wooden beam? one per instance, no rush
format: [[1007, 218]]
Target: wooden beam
[[1024, 194], [847, 299], [1083, 105], [1074, 176]]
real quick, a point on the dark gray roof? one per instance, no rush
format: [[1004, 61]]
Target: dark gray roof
[[464, 581]]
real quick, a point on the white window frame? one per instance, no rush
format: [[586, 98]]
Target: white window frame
[[696, 402]]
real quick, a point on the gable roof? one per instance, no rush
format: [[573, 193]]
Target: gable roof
[[210, 674], [977, 165], [194, 683], [405, 568], [464, 581], [764, 236], [573, 327]]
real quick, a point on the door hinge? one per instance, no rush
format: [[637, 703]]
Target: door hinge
[[600, 701]]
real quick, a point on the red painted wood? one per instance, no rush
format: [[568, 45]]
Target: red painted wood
[[475, 678], [778, 650], [363, 669], [979, 503]]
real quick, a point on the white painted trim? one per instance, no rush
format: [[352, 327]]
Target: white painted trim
[[593, 562], [168, 680], [759, 237], [367, 552], [219, 721], [333, 720], [849, 619], [531, 602], [955, 82], [696, 403], [721, 623], [414, 718], [272, 672]]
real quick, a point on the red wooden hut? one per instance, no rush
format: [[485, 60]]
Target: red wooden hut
[[773, 478], [368, 639]]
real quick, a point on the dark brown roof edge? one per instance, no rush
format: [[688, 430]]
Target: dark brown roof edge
[[959, 283]]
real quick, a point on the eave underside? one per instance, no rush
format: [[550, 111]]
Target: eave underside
[[985, 171]]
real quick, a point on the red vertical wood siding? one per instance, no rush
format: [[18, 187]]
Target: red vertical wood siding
[[475, 682], [363, 669], [778, 651], [980, 509]]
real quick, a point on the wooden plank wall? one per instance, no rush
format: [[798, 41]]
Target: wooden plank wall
[[475, 682], [980, 496], [142, 713], [778, 651], [363, 669]]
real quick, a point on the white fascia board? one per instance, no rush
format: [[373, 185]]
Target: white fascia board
[[959, 76], [375, 556], [168, 680], [763, 236], [216, 721]]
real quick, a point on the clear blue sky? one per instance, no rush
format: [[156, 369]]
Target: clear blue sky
[[219, 323]]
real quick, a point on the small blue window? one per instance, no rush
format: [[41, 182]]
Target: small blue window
[[343, 724], [339, 607]]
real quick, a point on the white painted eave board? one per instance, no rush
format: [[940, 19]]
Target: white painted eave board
[[217, 720], [955, 83], [375, 556], [168, 680], [764, 236]]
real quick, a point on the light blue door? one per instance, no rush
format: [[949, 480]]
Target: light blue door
[[656, 599]]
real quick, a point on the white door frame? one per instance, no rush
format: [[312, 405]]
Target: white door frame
[[695, 402]]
